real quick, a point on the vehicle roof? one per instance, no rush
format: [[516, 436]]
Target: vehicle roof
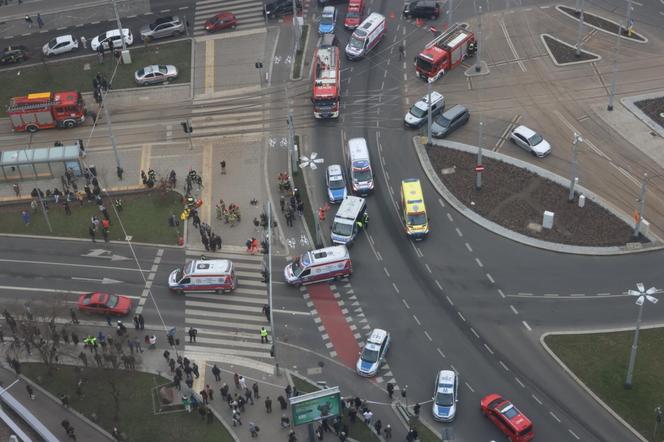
[[446, 381], [354, 3], [327, 254], [61, 38], [358, 149], [369, 23], [208, 267], [329, 10], [350, 207], [413, 196], [435, 97], [454, 110], [525, 131], [166, 19], [334, 169], [377, 336], [423, 3]]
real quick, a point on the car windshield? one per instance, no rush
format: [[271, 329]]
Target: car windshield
[[141, 72], [112, 301], [296, 268], [178, 274], [369, 355], [337, 183], [362, 174], [418, 112], [419, 219], [535, 140], [444, 399], [424, 65], [356, 43], [215, 20], [342, 229], [327, 19], [442, 121], [353, 14], [52, 43], [510, 412], [163, 69], [325, 102]]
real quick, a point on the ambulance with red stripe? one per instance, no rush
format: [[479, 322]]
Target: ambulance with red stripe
[[203, 275], [319, 265]]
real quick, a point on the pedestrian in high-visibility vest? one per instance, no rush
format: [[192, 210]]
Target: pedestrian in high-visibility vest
[[264, 339]]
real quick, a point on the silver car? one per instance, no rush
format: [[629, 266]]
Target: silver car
[[530, 141], [163, 27], [157, 73]]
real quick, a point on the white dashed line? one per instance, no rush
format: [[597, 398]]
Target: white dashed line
[[405, 303], [449, 300], [461, 316], [386, 272], [440, 201], [427, 335], [440, 352], [395, 287], [469, 387], [553, 415], [502, 295], [570, 431], [525, 324], [479, 263], [502, 364], [488, 348], [459, 232], [536, 399], [438, 284], [428, 268], [470, 249], [519, 382], [417, 320], [577, 295], [490, 278], [472, 330], [449, 216], [514, 310]]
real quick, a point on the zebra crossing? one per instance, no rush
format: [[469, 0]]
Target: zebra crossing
[[249, 14], [230, 116], [228, 324]]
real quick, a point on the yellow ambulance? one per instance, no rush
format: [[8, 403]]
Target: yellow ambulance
[[414, 210]]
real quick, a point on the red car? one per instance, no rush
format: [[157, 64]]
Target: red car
[[223, 20], [516, 426], [104, 303], [354, 14]]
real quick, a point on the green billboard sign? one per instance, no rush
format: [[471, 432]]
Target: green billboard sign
[[313, 407]]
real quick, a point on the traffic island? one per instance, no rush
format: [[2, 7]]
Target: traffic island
[[563, 54], [654, 109], [602, 24], [599, 361]]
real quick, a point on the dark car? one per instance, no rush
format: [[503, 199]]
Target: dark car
[[220, 21], [449, 121], [421, 9], [13, 54], [279, 8]]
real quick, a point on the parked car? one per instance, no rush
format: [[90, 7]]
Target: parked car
[[514, 424], [328, 20], [449, 121], [445, 396], [13, 54], [60, 45], [156, 73], [112, 39], [531, 141], [104, 303], [279, 8], [222, 20], [421, 9], [163, 27], [336, 183], [417, 116]]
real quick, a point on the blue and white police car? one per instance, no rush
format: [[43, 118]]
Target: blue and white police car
[[373, 353], [336, 183], [445, 396]]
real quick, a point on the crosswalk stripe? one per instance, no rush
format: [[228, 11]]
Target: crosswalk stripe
[[232, 360], [247, 274], [231, 333], [229, 351], [233, 343], [233, 325], [223, 255], [232, 298], [244, 282], [225, 306], [215, 314]]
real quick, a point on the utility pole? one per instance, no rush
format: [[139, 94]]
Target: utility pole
[[291, 140], [615, 56], [573, 178], [478, 168], [107, 116], [429, 81], [126, 57], [478, 64], [450, 10], [642, 203], [296, 28], [44, 211], [580, 30]]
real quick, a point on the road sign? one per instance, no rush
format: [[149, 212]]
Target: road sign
[[479, 168], [313, 407]]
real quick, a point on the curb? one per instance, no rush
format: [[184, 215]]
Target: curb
[[509, 234], [571, 63], [69, 238], [629, 103], [304, 53], [585, 23], [582, 384]]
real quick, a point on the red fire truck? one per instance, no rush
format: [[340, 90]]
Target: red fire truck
[[327, 81], [45, 110], [445, 52]]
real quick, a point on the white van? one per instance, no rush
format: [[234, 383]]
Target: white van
[[361, 174], [203, 275], [344, 226], [366, 36], [319, 265]]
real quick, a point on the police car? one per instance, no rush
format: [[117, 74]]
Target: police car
[[336, 183], [445, 395], [373, 353]]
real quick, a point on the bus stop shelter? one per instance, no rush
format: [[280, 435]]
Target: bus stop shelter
[[43, 162]]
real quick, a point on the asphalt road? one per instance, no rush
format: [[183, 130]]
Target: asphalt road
[[465, 297]]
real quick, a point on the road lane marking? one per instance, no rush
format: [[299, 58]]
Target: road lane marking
[[449, 216], [514, 310], [502, 364], [386, 272], [427, 335], [479, 263], [395, 287], [525, 324], [209, 66], [469, 387], [440, 352], [417, 320], [511, 45], [21, 261], [461, 316], [442, 204], [438, 284], [405, 303], [519, 382], [477, 335], [459, 232], [536, 399], [449, 300], [470, 249], [488, 348], [500, 292], [569, 429], [490, 278], [427, 267], [553, 415]]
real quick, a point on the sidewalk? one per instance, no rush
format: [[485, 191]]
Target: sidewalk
[[48, 410]]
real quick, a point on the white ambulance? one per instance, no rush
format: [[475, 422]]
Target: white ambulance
[[203, 275], [366, 36], [319, 265]]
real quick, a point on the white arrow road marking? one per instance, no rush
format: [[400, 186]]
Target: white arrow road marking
[[103, 281], [105, 254]]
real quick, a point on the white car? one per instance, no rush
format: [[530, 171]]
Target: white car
[[60, 45], [373, 353], [531, 141], [336, 184], [111, 39], [445, 396], [156, 73]]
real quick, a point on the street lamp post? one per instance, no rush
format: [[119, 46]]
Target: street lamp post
[[642, 295], [658, 420], [572, 181], [616, 51]]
